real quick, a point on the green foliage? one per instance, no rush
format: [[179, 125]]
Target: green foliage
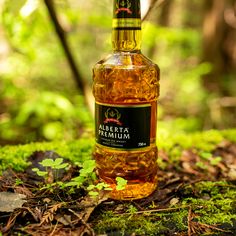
[[132, 209], [126, 225], [201, 165], [215, 161], [181, 72], [79, 151], [87, 167], [50, 111], [213, 204], [36, 79], [48, 115], [205, 141], [40, 173], [120, 183], [18, 182], [54, 165], [210, 202], [94, 189], [16, 157], [229, 134], [34, 66], [86, 174]]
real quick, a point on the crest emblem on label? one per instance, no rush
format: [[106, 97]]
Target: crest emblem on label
[[112, 115], [127, 9], [122, 5]]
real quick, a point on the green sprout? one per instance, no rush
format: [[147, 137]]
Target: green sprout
[[94, 189], [55, 165], [120, 183], [17, 183]]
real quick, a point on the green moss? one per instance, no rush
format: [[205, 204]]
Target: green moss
[[214, 203], [142, 224], [211, 203], [229, 135], [204, 141], [201, 142], [15, 157], [128, 224]]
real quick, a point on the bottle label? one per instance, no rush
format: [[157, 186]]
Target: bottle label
[[123, 127], [127, 15]]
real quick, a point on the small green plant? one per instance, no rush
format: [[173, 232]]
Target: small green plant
[[206, 155], [132, 209], [55, 165], [201, 165], [86, 172], [120, 183], [39, 172], [94, 189], [87, 168], [215, 161], [17, 183]]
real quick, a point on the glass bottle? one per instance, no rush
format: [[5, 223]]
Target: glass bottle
[[126, 90]]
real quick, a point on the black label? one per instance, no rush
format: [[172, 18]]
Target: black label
[[127, 9], [123, 127]]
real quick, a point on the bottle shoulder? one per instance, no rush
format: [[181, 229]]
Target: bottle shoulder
[[126, 78], [126, 60]]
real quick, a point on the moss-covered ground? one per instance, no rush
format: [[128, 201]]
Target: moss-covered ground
[[196, 193]]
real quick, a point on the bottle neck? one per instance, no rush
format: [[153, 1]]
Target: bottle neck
[[126, 26]]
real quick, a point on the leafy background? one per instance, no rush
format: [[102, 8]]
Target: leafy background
[[39, 99]]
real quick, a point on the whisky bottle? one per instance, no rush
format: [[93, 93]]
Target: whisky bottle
[[126, 90]]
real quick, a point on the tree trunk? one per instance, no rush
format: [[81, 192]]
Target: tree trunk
[[218, 44], [163, 20]]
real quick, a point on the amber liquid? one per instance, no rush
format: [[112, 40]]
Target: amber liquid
[[128, 78]]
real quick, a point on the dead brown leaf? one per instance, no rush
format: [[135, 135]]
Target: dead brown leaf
[[11, 201]]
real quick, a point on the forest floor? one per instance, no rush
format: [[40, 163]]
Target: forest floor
[[196, 194]]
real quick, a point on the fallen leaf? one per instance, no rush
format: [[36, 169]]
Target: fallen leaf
[[232, 174], [174, 201], [65, 220], [10, 201], [88, 205]]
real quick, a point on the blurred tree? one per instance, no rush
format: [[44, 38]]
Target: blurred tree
[[161, 19], [193, 42], [62, 35], [219, 49], [219, 44]]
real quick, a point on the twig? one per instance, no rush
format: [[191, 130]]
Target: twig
[[83, 222], [212, 227], [54, 229], [81, 84], [153, 4], [155, 210], [192, 226], [189, 221], [11, 221]]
